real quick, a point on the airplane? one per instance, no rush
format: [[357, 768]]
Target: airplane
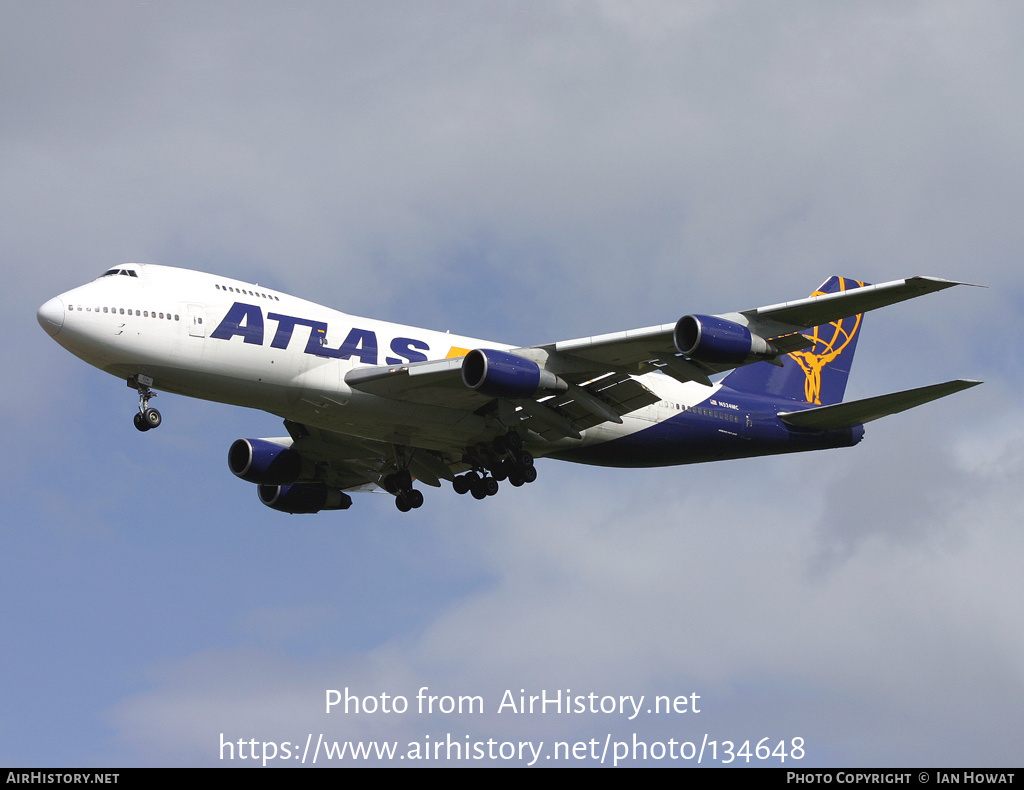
[[369, 404]]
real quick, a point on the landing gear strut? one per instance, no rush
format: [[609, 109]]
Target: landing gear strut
[[147, 417]]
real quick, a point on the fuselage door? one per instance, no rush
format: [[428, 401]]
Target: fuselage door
[[197, 320]]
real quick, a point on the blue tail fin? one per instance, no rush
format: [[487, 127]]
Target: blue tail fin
[[816, 374]]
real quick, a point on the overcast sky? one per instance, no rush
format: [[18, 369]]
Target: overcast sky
[[526, 172]]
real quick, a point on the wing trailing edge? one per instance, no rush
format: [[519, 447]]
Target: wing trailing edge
[[858, 412]]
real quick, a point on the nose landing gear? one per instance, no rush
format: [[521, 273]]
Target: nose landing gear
[[147, 417]]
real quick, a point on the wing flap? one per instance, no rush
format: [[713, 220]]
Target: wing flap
[[858, 412], [350, 462], [618, 391]]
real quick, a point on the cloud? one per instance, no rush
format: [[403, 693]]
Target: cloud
[[688, 594], [526, 172]]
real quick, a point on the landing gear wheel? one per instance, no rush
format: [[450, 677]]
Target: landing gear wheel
[[461, 485], [513, 441], [529, 474], [490, 486], [146, 418], [400, 484]]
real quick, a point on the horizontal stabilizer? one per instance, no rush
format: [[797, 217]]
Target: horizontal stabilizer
[[858, 412]]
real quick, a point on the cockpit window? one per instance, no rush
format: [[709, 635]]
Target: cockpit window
[[126, 272]]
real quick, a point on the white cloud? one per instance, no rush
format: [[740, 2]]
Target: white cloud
[[547, 170]]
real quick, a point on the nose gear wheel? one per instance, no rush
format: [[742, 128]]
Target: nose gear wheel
[[147, 417]]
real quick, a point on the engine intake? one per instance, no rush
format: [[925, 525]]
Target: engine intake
[[709, 339], [506, 375], [303, 498], [265, 462]]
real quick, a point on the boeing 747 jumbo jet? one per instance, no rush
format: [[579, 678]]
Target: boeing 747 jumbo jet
[[372, 404]]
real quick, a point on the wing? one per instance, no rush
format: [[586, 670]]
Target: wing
[[574, 402], [658, 347], [560, 389], [348, 462]]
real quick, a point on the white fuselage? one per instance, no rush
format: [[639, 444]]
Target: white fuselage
[[225, 340]]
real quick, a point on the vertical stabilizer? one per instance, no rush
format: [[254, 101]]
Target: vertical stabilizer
[[816, 374]]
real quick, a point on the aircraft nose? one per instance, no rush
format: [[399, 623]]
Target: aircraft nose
[[51, 316]]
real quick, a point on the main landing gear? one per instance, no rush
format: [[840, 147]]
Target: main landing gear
[[400, 484], [516, 467], [504, 458], [146, 417]]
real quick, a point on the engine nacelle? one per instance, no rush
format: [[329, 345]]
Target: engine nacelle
[[265, 462], [709, 339], [506, 375], [303, 498]]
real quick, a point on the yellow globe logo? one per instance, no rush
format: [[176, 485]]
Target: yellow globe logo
[[830, 340]]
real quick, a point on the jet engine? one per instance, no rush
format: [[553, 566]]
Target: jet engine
[[709, 339], [303, 498], [264, 461], [506, 375]]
